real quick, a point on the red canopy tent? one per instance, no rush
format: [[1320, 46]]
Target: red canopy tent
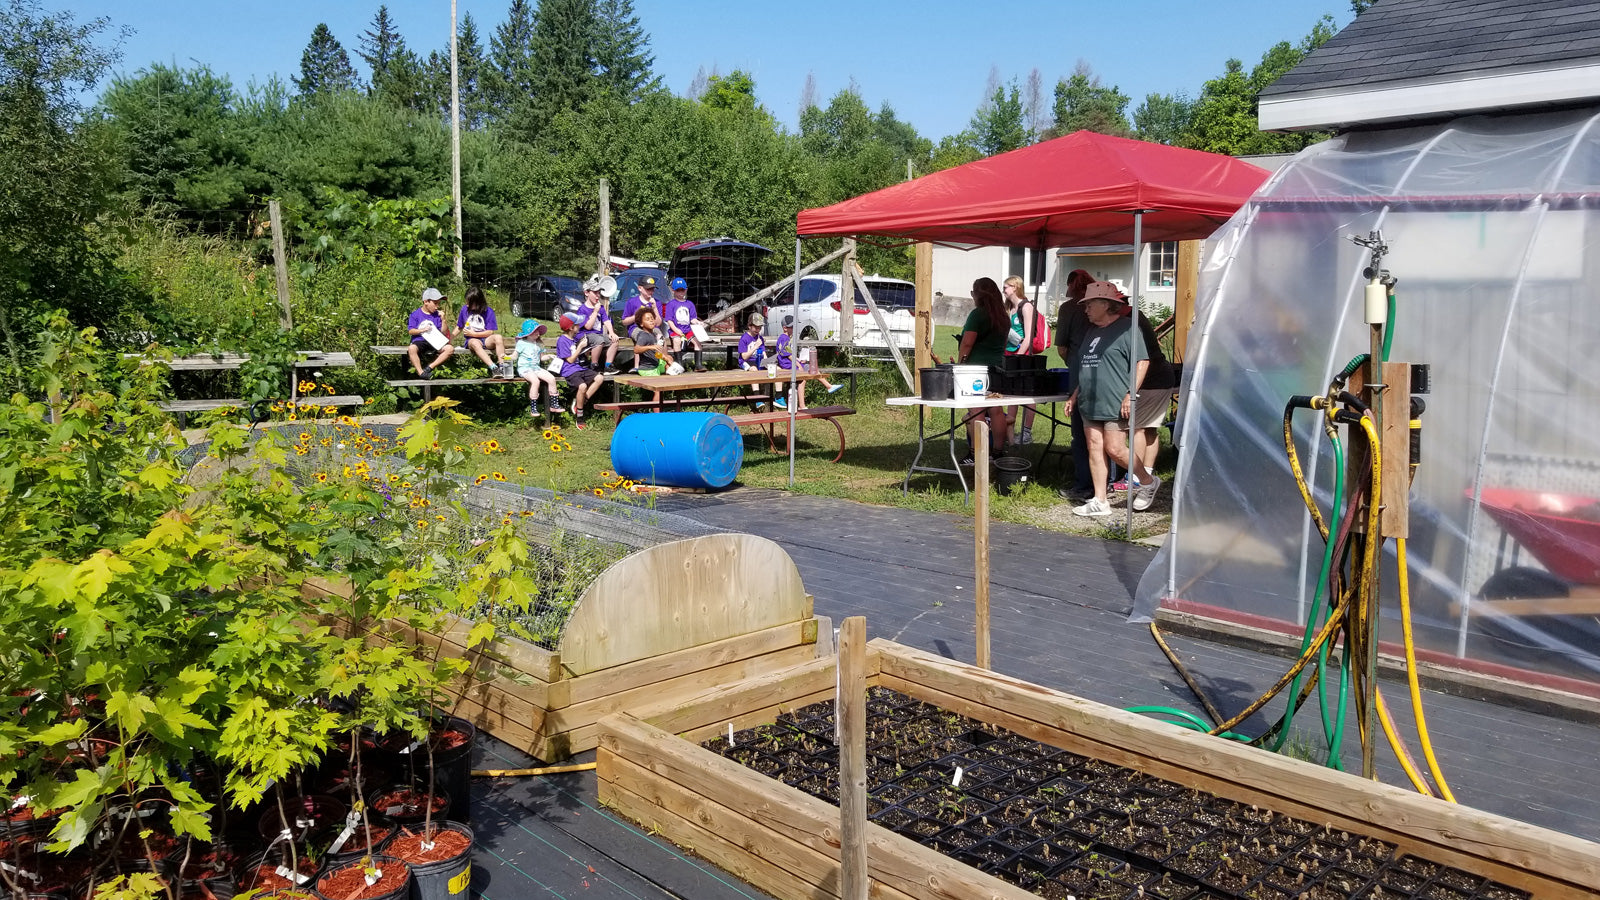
[[1075, 190]]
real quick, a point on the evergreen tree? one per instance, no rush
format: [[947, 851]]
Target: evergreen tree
[[378, 48], [566, 37], [508, 78], [998, 124], [471, 69], [622, 52], [324, 66], [1083, 103]]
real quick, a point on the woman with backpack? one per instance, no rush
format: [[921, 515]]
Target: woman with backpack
[[1029, 336]]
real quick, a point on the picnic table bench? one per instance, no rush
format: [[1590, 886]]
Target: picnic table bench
[[428, 384], [228, 361], [769, 420], [677, 403]]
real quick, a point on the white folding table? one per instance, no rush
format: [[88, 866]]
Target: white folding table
[[972, 406]]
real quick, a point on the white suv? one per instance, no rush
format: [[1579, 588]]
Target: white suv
[[821, 304]]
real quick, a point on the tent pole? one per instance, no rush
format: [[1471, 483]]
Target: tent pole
[[794, 356], [1133, 363]]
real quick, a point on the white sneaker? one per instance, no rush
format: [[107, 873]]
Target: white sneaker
[[1095, 507], [1026, 437], [1144, 495]]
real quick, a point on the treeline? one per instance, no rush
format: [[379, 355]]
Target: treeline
[[556, 96]]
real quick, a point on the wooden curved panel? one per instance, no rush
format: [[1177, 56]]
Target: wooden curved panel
[[682, 594]]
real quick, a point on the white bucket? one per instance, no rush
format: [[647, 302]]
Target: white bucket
[[970, 381]]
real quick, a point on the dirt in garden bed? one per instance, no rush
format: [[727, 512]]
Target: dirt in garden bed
[[1063, 825]]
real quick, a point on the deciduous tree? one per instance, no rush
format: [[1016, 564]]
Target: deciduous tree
[[998, 124], [1082, 103]]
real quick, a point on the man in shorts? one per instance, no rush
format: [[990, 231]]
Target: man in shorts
[[1104, 396], [423, 320]]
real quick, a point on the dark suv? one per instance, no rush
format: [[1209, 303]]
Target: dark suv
[[545, 296], [721, 271], [628, 288]]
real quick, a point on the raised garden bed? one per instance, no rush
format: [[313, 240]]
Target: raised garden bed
[[661, 626], [1059, 797]]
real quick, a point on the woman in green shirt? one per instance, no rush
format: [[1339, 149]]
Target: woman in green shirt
[[983, 343]]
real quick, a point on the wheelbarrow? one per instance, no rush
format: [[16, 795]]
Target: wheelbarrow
[[1562, 533]]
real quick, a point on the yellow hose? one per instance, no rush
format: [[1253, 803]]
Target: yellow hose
[[1399, 748], [1411, 675], [1299, 474], [543, 770], [1305, 658]]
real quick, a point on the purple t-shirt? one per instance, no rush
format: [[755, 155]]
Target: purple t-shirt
[[466, 321], [632, 309], [416, 320], [599, 324], [564, 349], [785, 358], [748, 340], [678, 314]]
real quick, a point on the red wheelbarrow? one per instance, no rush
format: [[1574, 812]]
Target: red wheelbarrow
[[1561, 532]]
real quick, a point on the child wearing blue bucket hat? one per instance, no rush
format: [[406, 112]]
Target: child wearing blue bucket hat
[[532, 362]]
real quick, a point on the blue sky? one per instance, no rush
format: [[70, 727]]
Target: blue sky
[[930, 59]]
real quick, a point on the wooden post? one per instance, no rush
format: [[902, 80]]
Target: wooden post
[[847, 301], [980, 530], [924, 279], [1394, 519], [851, 710], [455, 141], [280, 262], [605, 227], [1188, 285], [883, 326]]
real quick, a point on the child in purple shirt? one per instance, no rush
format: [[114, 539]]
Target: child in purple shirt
[[585, 381], [752, 346], [424, 319], [594, 323], [679, 315], [784, 355], [477, 324]]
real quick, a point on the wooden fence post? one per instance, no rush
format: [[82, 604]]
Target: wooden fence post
[[280, 262], [847, 302], [851, 709], [924, 277]]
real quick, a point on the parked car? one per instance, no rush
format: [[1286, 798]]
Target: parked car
[[546, 296], [628, 288], [721, 271], [821, 304]]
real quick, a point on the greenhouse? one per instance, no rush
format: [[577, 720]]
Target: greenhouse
[[1487, 222]]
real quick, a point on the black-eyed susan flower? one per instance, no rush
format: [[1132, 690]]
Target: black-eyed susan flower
[[521, 471], [305, 436], [499, 477], [322, 478]]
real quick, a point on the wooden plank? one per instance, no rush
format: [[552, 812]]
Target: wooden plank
[[784, 415], [726, 840], [1583, 601], [1469, 838], [808, 872], [923, 357], [627, 676], [682, 594], [1394, 520], [852, 718], [896, 861], [762, 692], [280, 262], [883, 325], [669, 693], [1187, 286], [771, 289]]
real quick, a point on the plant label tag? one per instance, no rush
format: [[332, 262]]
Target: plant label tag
[[296, 877], [23, 799], [373, 876], [414, 745], [395, 810], [20, 873], [730, 734], [955, 781], [349, 829], [304, 823]]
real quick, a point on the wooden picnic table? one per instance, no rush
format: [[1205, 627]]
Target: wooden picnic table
[[715, 382], [225, 362]]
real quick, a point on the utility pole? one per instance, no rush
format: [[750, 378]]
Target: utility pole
[[605, 227], [455, 139]]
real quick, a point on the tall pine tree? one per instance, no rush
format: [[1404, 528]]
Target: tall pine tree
[[566, 36], [622, 52], [324, 66], [508, 79]]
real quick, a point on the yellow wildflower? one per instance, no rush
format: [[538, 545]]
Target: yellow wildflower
[[499, 477]]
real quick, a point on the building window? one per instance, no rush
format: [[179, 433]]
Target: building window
[[1163, 264], [1018, 262]]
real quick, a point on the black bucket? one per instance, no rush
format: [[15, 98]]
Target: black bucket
[[1011, 471], [446, 879], [452, 767], [937, 384]]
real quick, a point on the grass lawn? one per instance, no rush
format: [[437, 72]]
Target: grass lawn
[[880, 441]]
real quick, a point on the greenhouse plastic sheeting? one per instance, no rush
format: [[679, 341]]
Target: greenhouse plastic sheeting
[[1493, 227]]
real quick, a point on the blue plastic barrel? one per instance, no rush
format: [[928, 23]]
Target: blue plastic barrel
[[678, 449]]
